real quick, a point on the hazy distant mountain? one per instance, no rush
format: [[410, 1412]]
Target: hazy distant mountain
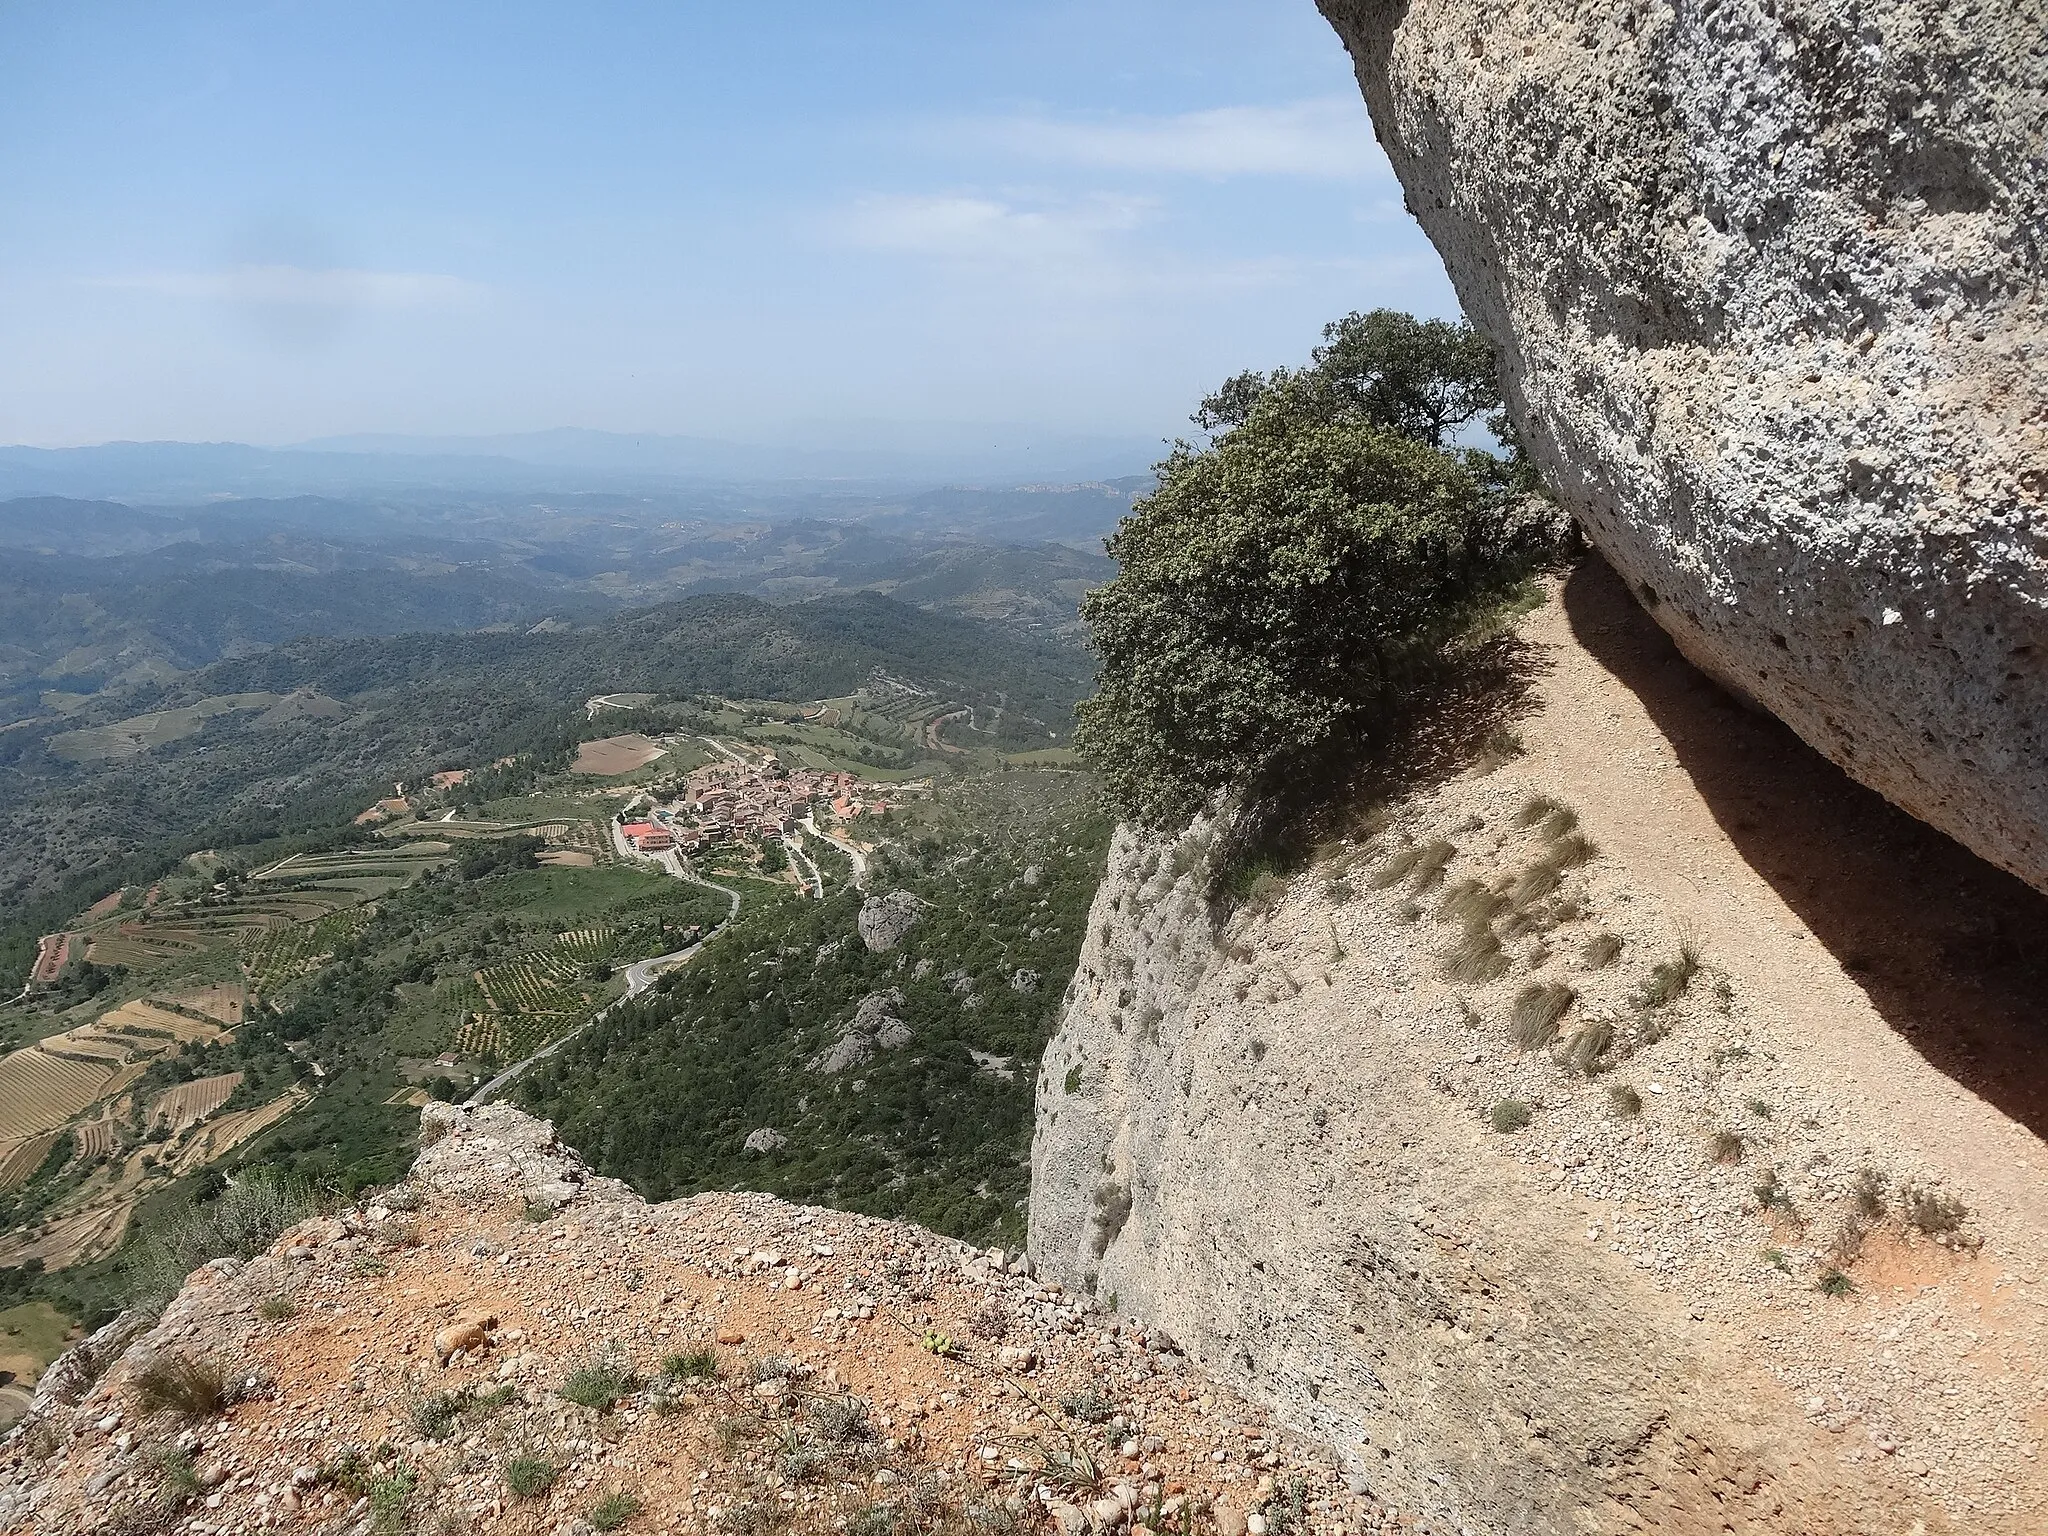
[[565, 460]]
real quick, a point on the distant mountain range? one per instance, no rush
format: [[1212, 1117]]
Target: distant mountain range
[[563, 460]]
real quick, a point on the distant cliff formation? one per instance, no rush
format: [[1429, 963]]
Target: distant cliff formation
[[1766, 278]]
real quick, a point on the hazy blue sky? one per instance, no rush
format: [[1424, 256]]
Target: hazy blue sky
[[273, 222]]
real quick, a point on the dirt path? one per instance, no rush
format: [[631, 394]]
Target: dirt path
[[1909, 974]]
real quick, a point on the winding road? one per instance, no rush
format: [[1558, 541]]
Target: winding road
[[640, 975]]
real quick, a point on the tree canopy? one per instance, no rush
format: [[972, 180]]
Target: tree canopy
[[1274, 587]]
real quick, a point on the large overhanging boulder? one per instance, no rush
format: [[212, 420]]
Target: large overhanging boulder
[[1766, 277]]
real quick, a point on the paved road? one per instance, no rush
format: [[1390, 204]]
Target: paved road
[[854, 856], [640, 975]]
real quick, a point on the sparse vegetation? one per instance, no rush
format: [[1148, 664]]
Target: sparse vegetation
[[1533, 1020], [530, 1476], [599, 1383], [1931, 1211], [1090, 1406], [1834, 1283], [1867, 1192], [241, 1221], [614, 1510], [277, 1309], [699, 1364], [1600, 951], [1509, 1115], [1726, 1146], [1624, 1100], [195, 1386]]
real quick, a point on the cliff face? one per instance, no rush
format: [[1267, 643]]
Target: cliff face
[[1764, 1256], [1766, 278]]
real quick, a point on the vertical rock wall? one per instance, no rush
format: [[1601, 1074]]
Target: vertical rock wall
[[1767, 281]]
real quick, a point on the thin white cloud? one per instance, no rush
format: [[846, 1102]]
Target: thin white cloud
[[982, 230], [279, 286], [1327, 138]]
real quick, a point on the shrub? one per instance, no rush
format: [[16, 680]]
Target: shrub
[[1868, 1192], [841, 1420], [1930, 1210], [614, 1510], [1834, 1283], [1509, 1115], [434, 1416], [1090, 1406], [243, 1220], [1274, 592], [195, 1386], [530, 1476], [1538, 1007]]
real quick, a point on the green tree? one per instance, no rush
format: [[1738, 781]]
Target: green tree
[[1273, 590], [1424, 379]]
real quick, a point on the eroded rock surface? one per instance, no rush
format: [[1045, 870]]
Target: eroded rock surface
[[1536, 1155], [1766, 277]]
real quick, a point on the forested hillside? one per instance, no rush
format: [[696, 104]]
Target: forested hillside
[[323, 727], [897, 1082]]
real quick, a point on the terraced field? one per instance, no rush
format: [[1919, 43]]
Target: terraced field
[[224, 1133], [189, 1103], [223, 1001], [145, 1017], [40, 1091], [20, 1159], [278, 957]]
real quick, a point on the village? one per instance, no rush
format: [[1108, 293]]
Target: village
[[743, 798]]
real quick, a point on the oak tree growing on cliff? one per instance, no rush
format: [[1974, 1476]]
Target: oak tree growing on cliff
[[1277, 584]]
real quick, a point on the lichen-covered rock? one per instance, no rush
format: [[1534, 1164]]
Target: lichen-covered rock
[[884, 920], [766, 1139], [1767, 282]]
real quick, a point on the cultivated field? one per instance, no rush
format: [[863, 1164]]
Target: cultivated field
[[224, 1133], [144, 1017], [20, 1159], [189, 1103], [275, 959], [137, 734], [40, 1091], [610, 755], [224, 1001]]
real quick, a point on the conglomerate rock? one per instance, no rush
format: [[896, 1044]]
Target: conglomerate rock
[[1766, 278]]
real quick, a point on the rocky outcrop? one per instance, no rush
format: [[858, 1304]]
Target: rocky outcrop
[[1534, 1154], [446, 1360], [1766, 278], [884, 920]]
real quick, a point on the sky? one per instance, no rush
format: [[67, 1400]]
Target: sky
[[806, 222]]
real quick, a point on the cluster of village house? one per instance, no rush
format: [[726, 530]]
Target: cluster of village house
[[728, 801]]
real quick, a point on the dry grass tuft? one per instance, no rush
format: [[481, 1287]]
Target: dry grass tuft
[[1475, 957], [1601, 951], [1868, 1193], [1470, 902], [1624, 1100], [1586, 1047], [1421, 864], [1725, 1146], [193, 1386], [1538, 809], [1668, 979], [1538, 1007]]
